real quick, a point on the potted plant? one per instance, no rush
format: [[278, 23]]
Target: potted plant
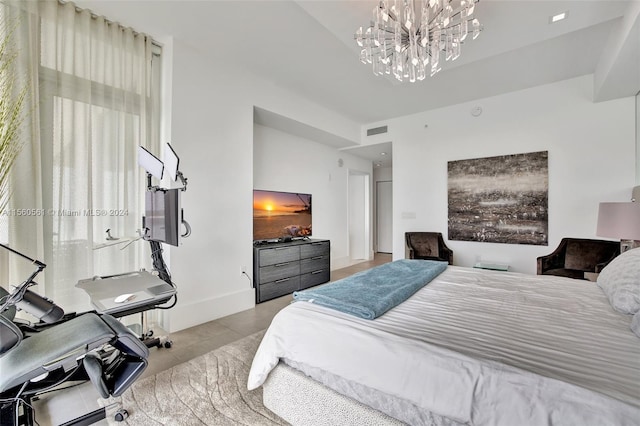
[[13, 100]]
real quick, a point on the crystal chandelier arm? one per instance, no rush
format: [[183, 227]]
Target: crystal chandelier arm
[[388, 53], [435, 15], [455, 14], [394, 17], [387, 30]]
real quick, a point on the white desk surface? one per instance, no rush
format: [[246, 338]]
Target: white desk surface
[[140, 284]]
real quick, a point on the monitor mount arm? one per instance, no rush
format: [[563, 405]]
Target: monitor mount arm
[[154, 188], [16, 296], [22, 298], [183, 180], [156, 247], [151, 187]]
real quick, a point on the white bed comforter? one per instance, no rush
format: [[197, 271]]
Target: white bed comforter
[[480, 347]]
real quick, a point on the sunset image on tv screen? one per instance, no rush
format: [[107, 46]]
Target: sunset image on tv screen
[[281, 214]]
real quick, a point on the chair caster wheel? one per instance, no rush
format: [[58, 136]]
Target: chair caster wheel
[[168, 344], [121, 415]]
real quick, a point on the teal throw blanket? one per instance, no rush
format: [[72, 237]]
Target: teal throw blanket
[[371, 293]]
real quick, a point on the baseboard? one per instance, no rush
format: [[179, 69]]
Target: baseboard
[[340, 262], [191, 314], [345, 262]]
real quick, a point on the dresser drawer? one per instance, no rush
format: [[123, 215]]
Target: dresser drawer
[[314, 278], [283, 268], [276, 255], [314, 264], [279, 271], [320, 248], [278, 288]]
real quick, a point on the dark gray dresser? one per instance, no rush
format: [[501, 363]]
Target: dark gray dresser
[[282, 268]]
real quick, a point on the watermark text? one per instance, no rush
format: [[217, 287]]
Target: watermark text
[[66, 212]]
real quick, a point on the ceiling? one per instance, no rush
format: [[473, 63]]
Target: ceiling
[[310, 49]]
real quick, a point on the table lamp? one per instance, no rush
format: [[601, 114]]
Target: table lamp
[[620, 220]]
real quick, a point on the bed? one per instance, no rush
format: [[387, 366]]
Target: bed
[[472, 347]]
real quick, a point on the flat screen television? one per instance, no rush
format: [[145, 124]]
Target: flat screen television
[[279, 215], [163, 216]]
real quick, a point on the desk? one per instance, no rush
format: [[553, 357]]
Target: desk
[[147, 290], [492, 266]]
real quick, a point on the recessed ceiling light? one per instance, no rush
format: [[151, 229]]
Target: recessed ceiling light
[[558, 17], [383, 153]]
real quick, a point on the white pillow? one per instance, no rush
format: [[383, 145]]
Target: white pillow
[[620, 281], [635, 324]]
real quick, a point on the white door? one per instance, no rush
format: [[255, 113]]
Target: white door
[[384, 215], [357, 212]]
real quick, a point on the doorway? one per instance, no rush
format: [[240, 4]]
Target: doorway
[[359, 216], [384, 216]]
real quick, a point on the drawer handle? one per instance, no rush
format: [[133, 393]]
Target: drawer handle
[[317, 258], [282, 248], [317, 244], [277, 265], [317, 272], [282, 280]]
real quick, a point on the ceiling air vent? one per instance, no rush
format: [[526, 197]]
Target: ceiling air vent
[[376, 130]]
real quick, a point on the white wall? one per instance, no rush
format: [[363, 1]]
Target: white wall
[[284, 162], [358, 210], [380, 174], [212, 131], [638, 139], [591, 159]]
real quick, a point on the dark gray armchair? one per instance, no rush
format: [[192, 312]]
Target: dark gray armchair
[[575, 256], [428, 245]]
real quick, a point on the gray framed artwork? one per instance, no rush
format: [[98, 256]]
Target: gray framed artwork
[[501, 199]]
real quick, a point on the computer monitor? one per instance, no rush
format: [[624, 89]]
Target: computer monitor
[[150, 162], [171, 162], [163, 216]]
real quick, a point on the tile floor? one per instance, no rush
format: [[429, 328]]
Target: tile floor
[[57, 407]]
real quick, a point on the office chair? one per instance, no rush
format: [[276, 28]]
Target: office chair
[[88, 347]]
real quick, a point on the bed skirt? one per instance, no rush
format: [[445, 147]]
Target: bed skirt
[[301, 400]]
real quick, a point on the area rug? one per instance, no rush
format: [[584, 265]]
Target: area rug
[[208, 390]]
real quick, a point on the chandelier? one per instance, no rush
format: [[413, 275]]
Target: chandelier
[[410, 37]]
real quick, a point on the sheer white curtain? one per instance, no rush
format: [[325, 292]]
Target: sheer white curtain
[[98, 100], [23, 233]]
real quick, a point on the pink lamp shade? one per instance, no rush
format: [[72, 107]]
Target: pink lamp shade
[[619, 220]]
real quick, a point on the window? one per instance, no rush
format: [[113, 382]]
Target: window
[[99, 96]]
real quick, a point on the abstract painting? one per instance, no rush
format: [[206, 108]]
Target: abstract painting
[[500, 199]]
